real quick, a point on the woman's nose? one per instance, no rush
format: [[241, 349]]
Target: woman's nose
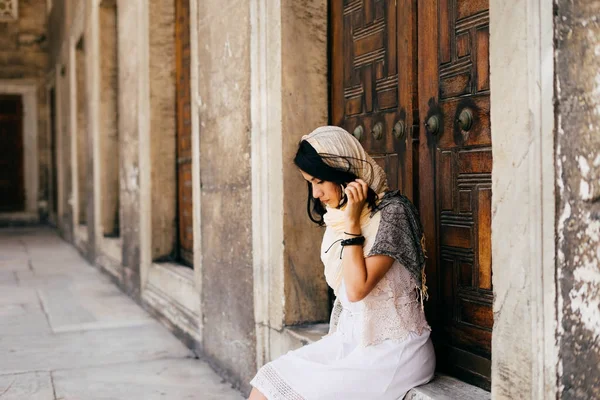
[[317, 193]]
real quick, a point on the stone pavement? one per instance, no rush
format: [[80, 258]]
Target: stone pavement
[[68, 333]]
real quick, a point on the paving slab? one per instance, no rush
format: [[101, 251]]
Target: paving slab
[[93, 303], [25, 353], [164, 379], [67, 332], [29, 386], [22, 319], [12, 293]]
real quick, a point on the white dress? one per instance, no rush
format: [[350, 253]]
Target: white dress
[[338, 367]]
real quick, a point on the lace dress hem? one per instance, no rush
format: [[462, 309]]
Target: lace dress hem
[[273, 386]]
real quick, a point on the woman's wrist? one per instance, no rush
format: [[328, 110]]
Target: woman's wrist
[[353, 228]]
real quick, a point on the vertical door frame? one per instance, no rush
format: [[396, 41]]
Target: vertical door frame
[[27, 89]]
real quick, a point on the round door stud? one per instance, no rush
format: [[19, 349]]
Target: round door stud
[[465, 119], [358, 132], [399, 130], [378, 131], [433, 125]]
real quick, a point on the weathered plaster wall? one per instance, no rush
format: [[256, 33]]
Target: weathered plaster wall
[[577, 58], [304, 107], [23, 55], [224, 92]]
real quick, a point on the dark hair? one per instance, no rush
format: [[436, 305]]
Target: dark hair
[[311, 162]]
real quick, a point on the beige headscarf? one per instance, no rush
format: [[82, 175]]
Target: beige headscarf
[[335, 141], [331, 142]]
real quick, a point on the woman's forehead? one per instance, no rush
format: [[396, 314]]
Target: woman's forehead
[[306, 176]]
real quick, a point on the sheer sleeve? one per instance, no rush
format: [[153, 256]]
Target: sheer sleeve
[[395, 236]]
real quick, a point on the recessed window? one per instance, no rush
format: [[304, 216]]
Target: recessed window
[[9, 10]]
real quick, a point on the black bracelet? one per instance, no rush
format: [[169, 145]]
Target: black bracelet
[[353, 234], [355, 241]]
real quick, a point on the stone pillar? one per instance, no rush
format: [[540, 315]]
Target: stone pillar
[[223, 99], [577, 83], [524, 353], [132, 52]]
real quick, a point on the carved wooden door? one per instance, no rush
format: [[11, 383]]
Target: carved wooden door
[[455, 168], [12, 189], [374, 81], [397, 69], [184, 133]]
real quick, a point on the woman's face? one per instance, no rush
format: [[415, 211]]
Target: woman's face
[[328, 193]]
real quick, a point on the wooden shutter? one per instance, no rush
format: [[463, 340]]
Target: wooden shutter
[[455, 180], [184, 132], [12, 185]]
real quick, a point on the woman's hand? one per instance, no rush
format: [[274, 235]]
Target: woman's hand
[[357, 197]]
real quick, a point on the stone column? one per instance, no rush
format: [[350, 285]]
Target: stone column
[[524, 353], [577, 84], [132, 52]]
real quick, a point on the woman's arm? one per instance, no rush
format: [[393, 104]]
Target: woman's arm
[[361, 274]]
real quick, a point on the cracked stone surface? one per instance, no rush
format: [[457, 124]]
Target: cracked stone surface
[[577, 155], [66, 332]]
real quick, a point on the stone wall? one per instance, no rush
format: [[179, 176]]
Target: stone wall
[[304, 107], [162, 127], [108, 117], [577, 85], [23, 43]]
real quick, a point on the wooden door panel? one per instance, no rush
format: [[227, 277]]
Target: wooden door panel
[[373, 67], [480, 132], [455, 181], [184, 133]]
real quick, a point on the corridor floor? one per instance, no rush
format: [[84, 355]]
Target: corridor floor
[[68, 333]]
